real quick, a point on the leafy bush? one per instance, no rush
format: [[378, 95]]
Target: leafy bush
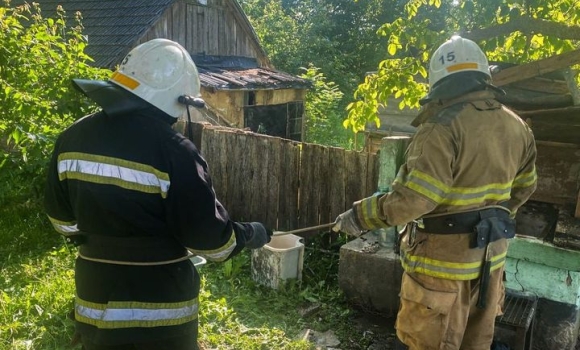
[[38, 58], [325, 116]]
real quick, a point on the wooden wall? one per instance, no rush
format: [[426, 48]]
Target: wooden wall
[[214, 29], [285, 184]]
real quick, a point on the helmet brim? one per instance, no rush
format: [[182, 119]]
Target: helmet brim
[[111, 98]]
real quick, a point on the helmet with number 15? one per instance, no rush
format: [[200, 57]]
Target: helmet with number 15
[[454, 56]]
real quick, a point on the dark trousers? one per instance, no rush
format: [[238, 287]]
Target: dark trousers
[[181, 343]]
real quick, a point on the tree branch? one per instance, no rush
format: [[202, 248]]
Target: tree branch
[[526, 25]]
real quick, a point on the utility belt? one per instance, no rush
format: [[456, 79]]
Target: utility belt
[[489, 225], [141, 250]]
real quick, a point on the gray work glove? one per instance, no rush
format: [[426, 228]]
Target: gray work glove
[[346, 223], [257, 235]]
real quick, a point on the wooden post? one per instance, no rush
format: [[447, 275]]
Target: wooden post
[[391, 157]]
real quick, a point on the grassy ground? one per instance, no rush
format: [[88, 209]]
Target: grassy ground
[[37, 290]]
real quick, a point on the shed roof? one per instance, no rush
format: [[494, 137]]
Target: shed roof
[[112, 26], [243, 73]]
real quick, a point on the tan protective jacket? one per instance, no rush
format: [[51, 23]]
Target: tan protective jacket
[[474, 153]]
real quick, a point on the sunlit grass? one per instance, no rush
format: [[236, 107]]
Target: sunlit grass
[[37, 290]]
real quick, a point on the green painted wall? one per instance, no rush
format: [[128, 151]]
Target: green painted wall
[[544, 270]]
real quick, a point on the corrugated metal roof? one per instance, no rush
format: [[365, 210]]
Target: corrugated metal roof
[[112, 26]]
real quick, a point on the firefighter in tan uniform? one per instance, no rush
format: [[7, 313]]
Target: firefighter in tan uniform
[[468, 169]]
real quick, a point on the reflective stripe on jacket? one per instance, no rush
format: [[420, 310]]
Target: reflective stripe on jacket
[[118, 314]]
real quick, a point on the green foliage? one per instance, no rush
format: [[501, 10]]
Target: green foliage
[[336, 36], [38, 58], [426, 24], [324, 115]]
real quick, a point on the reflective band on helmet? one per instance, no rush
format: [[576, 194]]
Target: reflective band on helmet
[[219, 254], [119, 314], [65, 228], [112, 171], [448, 270], [125, 80], [461, 66]]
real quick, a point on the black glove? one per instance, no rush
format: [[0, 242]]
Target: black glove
[[257, 235]]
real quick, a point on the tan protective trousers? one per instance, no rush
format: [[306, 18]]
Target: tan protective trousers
[[440, 314]]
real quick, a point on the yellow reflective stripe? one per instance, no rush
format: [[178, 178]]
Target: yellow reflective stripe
[[369, 213], [220, 254], [64, 227], [446, 269], [458, 196], [526, 179], [113, 171], [125, 80], [119, 314], [462, 66]]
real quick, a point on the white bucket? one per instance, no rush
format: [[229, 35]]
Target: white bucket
[[278, 261]]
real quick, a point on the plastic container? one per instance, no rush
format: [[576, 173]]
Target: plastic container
[[386, 236], [278, 261]]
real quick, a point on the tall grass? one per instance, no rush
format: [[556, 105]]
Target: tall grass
[[37, 290]]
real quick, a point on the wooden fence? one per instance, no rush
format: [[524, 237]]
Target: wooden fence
[[283, 183]]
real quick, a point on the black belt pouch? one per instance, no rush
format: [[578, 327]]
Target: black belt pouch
[[492, 228]]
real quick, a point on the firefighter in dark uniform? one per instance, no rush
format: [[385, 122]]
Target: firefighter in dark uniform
[[468, 169], [137, 199]]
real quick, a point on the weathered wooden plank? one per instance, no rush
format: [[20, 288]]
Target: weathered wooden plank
[[307, 196], [213, 146], [546, 131], [190, 19], [288, 183], [568, 115], [354, 188], [177, 28], [201, 30], [372, 179], [213, 31], [533, 69], [336, 182], [223, 33], [272, 175], [323, 172], [532, 100], [558, 167], [253, 181], [234, 174], [547, 86]]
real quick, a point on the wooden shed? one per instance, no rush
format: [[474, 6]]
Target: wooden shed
[[239, 83]]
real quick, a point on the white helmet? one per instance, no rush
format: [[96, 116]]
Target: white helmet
[[159, 71], [454, 56]]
